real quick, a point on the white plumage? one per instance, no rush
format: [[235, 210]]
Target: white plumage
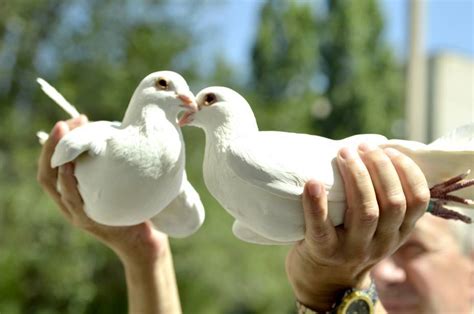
[[132, 171], [258, 177]]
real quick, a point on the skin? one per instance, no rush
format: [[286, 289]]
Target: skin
[[386, 194], [144, 252], [427, 274]]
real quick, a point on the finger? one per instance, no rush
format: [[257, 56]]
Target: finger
[[69, 194], [47, 176], [320, 232], [56, 196], [388, 188], [361, 217], [414, 186]]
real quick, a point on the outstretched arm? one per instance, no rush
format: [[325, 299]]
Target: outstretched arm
[[144, 251], [386, 194]]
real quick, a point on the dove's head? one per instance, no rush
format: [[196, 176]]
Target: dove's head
[[220, 107], [167, 90]]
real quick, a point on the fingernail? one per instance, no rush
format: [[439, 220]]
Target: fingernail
[[315, 190], [391, 152], [367, 147], [347, 153]]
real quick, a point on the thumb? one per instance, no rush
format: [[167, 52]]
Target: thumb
[[320, 231]]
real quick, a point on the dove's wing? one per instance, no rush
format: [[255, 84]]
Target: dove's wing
[[91, 137], [58, 98], [183, 216], [245, 233], [281, 162]]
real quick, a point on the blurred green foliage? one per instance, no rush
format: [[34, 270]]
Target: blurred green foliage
[[95, 52]]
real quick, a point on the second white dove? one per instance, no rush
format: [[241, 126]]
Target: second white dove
[[258, 177]]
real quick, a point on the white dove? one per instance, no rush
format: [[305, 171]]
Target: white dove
[[258, 177], [132, 171]]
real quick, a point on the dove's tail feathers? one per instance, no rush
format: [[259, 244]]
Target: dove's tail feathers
[[461, 138], [183, 216], [58, 98], [446, 164], [42, 137]]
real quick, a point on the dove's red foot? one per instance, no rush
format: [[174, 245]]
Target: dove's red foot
[[440, 193], [437, 208]]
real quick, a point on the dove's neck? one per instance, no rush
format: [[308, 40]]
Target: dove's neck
[[221, 137], [147, 115]]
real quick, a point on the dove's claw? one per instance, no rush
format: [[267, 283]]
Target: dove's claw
[[457, 199], [450, 182], [437, 208], [452, 187], [440, 193]]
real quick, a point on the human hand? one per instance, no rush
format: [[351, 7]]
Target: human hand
[[386, 193], [133, 244]]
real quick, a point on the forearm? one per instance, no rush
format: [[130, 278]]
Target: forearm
[[152, 285]]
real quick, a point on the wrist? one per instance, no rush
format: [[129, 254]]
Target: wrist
[[321, 295], [352, 301], [151, 282], [319, 286], [144, 259]]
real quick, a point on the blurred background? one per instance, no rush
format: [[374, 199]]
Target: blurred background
[[335, 68]]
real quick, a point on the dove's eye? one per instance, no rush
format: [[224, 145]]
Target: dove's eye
[[209, 99], [161, 84]]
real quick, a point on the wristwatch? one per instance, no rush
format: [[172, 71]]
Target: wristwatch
[[354, 301]]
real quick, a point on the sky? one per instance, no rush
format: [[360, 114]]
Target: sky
[[449, 26]]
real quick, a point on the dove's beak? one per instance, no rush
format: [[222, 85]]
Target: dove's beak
[[188, 101], [186, 118]]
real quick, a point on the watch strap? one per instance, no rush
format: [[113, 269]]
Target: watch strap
[[339, 307]]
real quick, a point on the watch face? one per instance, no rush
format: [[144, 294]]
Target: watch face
[[358, 307]]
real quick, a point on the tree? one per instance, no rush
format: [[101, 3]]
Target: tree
[[285, 54], [364, 83], [329, 68]]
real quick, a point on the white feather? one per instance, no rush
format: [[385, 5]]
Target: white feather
[[58, 98], [184, 215], [42, 137]]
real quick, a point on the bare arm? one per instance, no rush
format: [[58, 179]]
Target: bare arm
[[386, 194], [152, 286], [143, 251]]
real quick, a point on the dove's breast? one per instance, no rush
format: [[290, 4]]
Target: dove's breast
[[273, 217], [153, 156], [135, 178]]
